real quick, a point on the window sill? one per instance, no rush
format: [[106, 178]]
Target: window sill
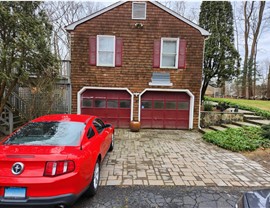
[[160, 84]]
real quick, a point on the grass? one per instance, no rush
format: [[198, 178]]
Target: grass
[[259, 107], [239, 139], [262, 104]]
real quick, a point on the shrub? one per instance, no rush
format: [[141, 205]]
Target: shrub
[[207, 106], [266, 131], [238, 139]]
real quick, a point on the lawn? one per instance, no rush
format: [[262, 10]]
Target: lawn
[[262, 104]]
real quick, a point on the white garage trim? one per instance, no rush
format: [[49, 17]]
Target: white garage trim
[[103, 88], [191, 107]]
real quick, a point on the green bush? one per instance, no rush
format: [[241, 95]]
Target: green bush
[[238, 139], [207, 106], [266, 131]]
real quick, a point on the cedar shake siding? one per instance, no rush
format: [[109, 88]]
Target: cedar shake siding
[[135, 55]]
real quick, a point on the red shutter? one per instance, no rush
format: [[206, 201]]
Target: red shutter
[[93, 51], [118, 51], [156, 56], [182, 54]]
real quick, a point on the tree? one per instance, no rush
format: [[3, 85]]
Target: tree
[[24, 45], [221, 59], [63, 13], [253, 18]]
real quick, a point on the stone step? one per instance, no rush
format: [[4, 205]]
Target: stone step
[[217, 128], [230, 126], [252, 117], [239, 123], [240, 111], [259, 122], [205, 130]]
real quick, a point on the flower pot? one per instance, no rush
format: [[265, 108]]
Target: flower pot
[[135, 126]]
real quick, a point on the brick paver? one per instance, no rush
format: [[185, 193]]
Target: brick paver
[[176, 157]]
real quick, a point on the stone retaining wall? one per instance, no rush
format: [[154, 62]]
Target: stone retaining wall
[[210, 118]]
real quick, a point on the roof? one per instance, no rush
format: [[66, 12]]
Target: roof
[[64, 118], [73, 25]]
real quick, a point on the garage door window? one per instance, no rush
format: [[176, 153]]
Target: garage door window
[[170, 105], [124, 104], [87, 102], [146, 104], [100, 103], [112, 103], [159, 104], [183, 105]]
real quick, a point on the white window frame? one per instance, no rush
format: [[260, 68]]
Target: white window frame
[[145, 6], [177, 53], [107, 36]]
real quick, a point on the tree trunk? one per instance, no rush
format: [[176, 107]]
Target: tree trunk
[[268, 84], [204, 87]]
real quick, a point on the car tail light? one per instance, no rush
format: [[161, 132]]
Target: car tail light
[[55, 168]]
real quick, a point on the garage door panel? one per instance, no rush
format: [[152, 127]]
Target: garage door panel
[[165, 110], [158, 124], [113, 106]]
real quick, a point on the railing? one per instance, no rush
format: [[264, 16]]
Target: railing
[[6, 120], [18, 104]]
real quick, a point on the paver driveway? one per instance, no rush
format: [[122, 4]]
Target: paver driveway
[[176, 157]]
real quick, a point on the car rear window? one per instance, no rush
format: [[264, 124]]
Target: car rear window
[[48, 133]]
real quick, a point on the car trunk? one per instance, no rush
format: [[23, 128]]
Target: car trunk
[[33, 158]]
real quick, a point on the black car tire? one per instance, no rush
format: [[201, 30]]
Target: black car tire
[[112, 144], [92, 189]]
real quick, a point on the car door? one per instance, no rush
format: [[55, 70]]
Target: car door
[[102, 136], [90, 151]]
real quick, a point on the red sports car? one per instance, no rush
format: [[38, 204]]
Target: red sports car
[[52, 160]]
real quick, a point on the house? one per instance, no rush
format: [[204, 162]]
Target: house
[[137, 61]]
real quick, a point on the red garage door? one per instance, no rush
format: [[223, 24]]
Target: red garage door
[[168, 110], [113, 106]]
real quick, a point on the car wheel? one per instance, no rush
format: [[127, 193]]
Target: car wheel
[[92, 189], [112, 144]]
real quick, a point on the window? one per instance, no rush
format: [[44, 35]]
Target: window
[[105, 50], [100, 103], [99, 125], [170, 105], [139, 10], [124, 104], [112, 103], [183, 105], [48, 134], [146, 104], [87, 102], [158, 104], [169, 52]]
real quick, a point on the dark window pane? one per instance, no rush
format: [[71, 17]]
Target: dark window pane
[[170, 105], [112, 103], [87, 102], [159, 104], [124, 104], [183, 106], [100, 103], [146, 104]]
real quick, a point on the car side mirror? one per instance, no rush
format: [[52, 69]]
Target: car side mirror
[[90, 133]]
